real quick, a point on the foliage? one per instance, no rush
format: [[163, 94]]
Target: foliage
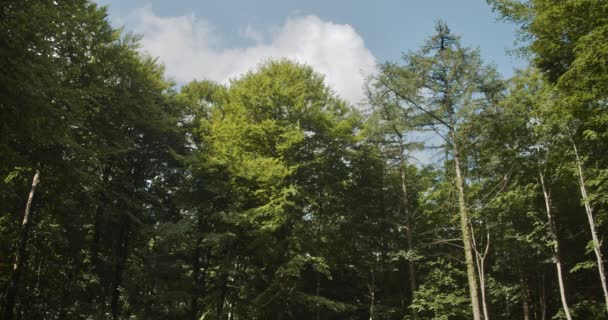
[[271, 198]]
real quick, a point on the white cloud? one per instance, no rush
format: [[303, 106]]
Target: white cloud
[[189, 48]]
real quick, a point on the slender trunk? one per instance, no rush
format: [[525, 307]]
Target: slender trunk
[[411, 269], [543, 298], [318, 249], [408, 227], [525, 294], [20, 255], [100, 295], [230, 310], [466, 236], [196, 266], [596, 242], [482, 285], [480, 259], [120, 266], [195, 280], [222, 297], [37, 288], [100, 290], [556, 251], [372, 293], [318, 291], [526, 305]]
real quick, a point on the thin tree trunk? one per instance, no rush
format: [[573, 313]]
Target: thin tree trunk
[[482, 282], [120, 267], [318, 292], [372, 293], [222, 296], [318, 249], [20, 255], [596, 242], [195, 280], [466, 236], [37, 288], [556, 251], [100, 296], [408, 226], [525, 293], [480, 260], [196, 266], [411, 269], [543, 298]]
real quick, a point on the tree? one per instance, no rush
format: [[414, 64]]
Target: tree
[[283, 141], [565, 39], [388, 126], [91, 119], [443, 83]]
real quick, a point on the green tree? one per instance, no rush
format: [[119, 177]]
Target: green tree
[[565, 39], [92, 120], [444, 83]]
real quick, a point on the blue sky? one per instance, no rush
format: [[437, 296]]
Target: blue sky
[[218, 40]]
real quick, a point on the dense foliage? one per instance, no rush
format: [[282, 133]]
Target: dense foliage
[[125, 197]]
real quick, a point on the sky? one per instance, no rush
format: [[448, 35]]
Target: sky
[[344, 40]]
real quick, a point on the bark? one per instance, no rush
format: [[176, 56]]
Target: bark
[[120, 267], [318, 291], [196, 266], [318, 248], [543, 298], [480, 260], [525, 294], [222, 296], [99, 266], [96, 261], [20, 255], [372, 293], [408, 226], [556, 251], [596, 242], [482, 281], [195, 280], [466, 236]]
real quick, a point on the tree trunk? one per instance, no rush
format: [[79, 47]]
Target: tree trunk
[[556, 251], [480, 259], [20, 255], [543, 298], [196, 266], [525, 294], [317, 294], [408, 226], [411, 269], [195, 280], [372, 294], [318, 249], [222, 296], [120, 266], [482, 285], [100, 294], [596, 242], [466, 236]]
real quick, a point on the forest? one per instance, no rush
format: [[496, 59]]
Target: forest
[[126, 196]]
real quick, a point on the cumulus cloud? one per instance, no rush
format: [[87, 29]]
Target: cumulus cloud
[[190, 49]]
